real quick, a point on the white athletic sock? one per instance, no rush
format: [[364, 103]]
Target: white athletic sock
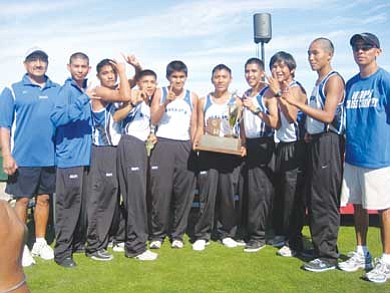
[[362, 249], [386, 258], [40, 240]]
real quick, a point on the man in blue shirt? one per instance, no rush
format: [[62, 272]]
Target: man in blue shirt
[[367, 162], [28, 148]]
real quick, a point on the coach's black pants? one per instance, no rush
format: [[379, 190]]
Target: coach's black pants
[[71, 190], [324, 175], [218, 185], [102, 198], [289, 207], [258, 189], [132, 169], [172, 185]]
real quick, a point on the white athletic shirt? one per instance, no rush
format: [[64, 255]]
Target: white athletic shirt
[[137, 123], [176, 120], [289, 132], [254, 126], [219, 111]]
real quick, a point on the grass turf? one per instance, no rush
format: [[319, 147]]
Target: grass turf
[[216, 269]]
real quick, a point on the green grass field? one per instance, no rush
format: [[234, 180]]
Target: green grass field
[[217, 269]]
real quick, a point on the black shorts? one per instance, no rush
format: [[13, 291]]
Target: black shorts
[[31, 181]]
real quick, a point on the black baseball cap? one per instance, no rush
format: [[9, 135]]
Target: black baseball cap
[[368, 38], [36, 53]]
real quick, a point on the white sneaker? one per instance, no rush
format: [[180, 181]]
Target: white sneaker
[[286, 251], [240, 242], [156, 244], [43, 250], [177, 244], [27, 259], [147, 255], [200, 245], [119, 247], [356, 261], [229, 242], [380, 273]]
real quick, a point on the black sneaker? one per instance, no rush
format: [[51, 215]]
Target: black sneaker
[[253, 246], [319, 265], [101, 255], [68, 262]]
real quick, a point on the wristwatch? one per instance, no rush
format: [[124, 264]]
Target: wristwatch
[[278, 94], [256, 111]]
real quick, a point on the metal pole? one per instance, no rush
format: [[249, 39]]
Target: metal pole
[[262, 52]]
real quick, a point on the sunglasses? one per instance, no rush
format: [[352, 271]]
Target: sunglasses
[[363, 47]]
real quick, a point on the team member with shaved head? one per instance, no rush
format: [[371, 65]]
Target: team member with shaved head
[[324, 125]]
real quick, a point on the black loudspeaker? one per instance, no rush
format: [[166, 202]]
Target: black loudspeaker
[[262, 27]]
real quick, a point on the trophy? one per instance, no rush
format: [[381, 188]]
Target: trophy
[[211, 141]]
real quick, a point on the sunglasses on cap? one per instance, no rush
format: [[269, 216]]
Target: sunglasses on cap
[[363, 47]]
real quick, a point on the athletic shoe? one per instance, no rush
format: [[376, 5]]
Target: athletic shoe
[[229, 242], [318, 265], [177, 244], [356, 261], [101, 255], [240, 242], [27, 259], [68, 262], [253, 246], [156, 244], [147, 255], [119, 247], [200, 245], [380, 273], [277, 241], [43, 250], [286, 251]]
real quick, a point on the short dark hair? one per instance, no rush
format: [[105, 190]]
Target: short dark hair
[[145, 72], [103, 63], [78, 55], [257, 61], [325, 43], [221, 67], [285, 57], [176, 65]]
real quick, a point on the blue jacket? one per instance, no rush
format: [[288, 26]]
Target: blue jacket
[[71, 117]]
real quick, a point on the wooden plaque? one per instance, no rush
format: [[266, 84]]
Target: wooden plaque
[[225, 145]]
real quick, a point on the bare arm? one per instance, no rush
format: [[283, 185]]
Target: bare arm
[[334, 91], [114, 95], [133, 61], [194, 116], [272, 118], [200, 122], [9, 163]]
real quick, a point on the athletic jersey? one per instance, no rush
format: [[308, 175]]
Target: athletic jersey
[[72, 119], [368, 120], [176, 120], [137, 123], [289, 132], [105, 131], [25, 110], [219, 111], [254, 126], [317, 101]]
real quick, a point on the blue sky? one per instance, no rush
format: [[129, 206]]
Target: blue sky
[[201, 33]]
